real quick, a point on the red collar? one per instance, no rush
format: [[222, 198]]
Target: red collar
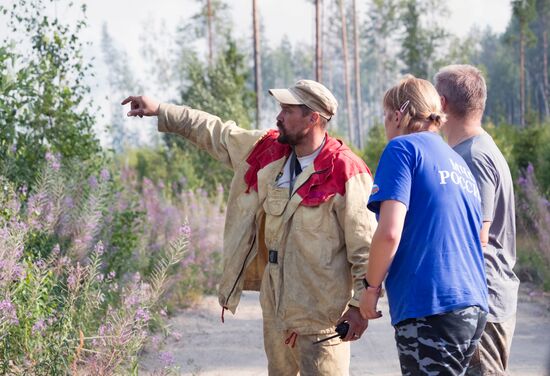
[[334, 165]]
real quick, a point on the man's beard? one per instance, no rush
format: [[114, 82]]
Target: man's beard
[[283, 137]]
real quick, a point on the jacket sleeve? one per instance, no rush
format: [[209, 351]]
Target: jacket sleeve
[[358, 224], [224, 141]]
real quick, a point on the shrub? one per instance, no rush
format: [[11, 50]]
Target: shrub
[[62, 309], [376, 142], [533, 214]]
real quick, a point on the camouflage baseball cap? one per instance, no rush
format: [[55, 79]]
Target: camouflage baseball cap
[[310, 93]]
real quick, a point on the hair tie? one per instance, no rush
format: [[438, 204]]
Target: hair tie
[[404, 106], [434, 117]]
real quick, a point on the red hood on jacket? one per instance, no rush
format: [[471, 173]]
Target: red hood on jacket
[[334, 166]]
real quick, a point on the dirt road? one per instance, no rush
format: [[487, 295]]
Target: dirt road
[[207, 347]]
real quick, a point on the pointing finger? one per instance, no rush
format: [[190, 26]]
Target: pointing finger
[[129, 99]]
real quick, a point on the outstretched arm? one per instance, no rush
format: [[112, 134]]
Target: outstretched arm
[[225, 141]]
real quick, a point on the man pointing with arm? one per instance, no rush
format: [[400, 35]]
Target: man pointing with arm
[[297, 225]]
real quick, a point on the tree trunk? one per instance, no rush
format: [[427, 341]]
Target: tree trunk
[[209, 23], [546, 90], [351, 134], [257, 61], [318, 42], [522, 77], [357, 63]]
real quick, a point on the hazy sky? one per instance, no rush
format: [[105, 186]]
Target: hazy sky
[[291, 17], [126, 20]]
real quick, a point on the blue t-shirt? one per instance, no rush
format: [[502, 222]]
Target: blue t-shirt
[[438, 266]]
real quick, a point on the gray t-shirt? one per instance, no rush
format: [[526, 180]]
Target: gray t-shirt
[[493, 177]]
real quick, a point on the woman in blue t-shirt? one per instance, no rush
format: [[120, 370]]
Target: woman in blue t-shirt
[[427, 244]]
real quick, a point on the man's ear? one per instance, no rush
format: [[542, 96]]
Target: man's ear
[[314, 118], [443, 103]]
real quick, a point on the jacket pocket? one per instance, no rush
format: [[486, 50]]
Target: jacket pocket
[[274, 207], [310, 217]]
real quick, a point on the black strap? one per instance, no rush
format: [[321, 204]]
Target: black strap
[[295, 170]]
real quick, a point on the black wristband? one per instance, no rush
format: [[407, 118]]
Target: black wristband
[[365, 283]]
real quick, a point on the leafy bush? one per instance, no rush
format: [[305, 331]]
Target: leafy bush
[[61, 310], [376, 142], [533, 225], [164, 212], [42, 93]]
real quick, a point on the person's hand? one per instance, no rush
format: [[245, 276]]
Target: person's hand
[[142, 106], [357, 324], [368, 302]]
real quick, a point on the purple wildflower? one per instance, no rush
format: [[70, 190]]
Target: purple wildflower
[[53, 161], [68, 202], [8, 311], [167, 358], [71, 281], [142, 315], [105, 175], [39, 327], [99, 249], [185, 230], [92, 182]]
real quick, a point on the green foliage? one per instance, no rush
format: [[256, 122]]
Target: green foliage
[[42, 94], [420, 43], [61, 315], [524, 147], [376, 142], [124, 240], [532, 267], [220, 90]]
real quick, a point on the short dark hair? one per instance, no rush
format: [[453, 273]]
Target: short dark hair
[[305, 110], [308, 111], [464, 88]]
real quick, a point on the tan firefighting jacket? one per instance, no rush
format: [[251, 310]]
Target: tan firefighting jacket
[[321, 235]]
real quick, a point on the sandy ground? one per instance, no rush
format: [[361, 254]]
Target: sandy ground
[[207, 347]]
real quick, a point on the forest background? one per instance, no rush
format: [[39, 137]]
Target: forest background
[[106, 229]]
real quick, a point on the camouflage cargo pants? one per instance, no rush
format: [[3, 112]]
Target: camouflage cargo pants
[[440, 344]]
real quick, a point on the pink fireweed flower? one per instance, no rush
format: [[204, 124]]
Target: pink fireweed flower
[[167, 359], [92, 182], [185, 230], [105, 175], [8, 312], [177, 336], [53, 161], [39, 327], [99, 248], [73, 280], [142, 315]]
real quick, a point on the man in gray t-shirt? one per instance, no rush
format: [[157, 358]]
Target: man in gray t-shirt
[[463, 95]]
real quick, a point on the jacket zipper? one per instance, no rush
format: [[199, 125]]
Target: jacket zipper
[[241, 272], [252, 246]]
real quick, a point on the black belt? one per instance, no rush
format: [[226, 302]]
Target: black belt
[[272, 256]]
